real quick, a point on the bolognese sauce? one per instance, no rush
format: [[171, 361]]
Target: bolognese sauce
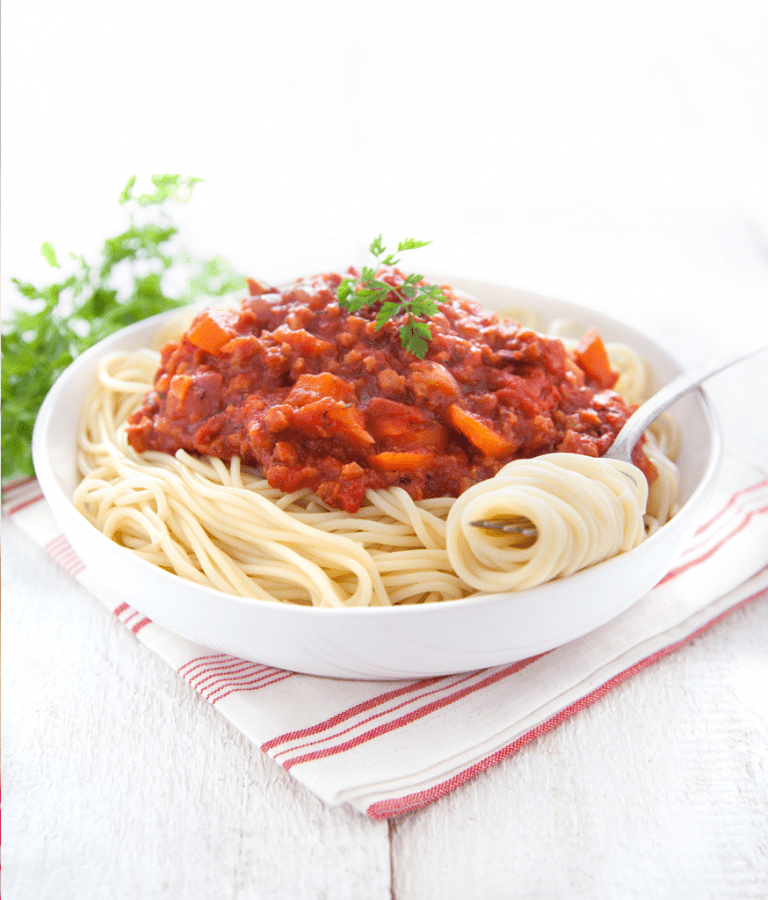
[[317, 397]]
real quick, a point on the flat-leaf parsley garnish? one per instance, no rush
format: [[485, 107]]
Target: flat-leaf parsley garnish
[[412, 299], [125, 285]]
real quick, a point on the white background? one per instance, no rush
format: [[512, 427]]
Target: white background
[[582, 149], [610, 153]]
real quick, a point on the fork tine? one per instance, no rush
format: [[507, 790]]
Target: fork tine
[[508, 526]]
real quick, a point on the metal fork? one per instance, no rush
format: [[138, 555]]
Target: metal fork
[[635, 426]]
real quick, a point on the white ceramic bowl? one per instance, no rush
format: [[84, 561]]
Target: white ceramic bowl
[[379, 643]]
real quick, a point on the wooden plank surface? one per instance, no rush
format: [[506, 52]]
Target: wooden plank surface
[[660, 789], [615, 160], [119, 781]]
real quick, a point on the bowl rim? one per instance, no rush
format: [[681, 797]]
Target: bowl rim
[[52, 490]]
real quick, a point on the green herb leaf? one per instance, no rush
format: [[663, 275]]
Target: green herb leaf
[[413, 341], [421, 328], [411, 244], [424, 306], [376, 247], [411, 298], [167, 187], [127, 191], [50, 254], [387, 312], [124, 284], [343, 291]]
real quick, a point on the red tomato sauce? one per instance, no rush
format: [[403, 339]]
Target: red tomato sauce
[[315, 397]]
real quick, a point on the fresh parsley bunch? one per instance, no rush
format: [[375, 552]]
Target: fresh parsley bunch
[[63, 319], [411, 298]]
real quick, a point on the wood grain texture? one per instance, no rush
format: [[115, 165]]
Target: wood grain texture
[[119, 781], [658, 790]]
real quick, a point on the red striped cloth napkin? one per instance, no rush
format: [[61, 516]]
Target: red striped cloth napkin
[[388, 748]]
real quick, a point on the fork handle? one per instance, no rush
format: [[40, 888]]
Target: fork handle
[[639, 421]]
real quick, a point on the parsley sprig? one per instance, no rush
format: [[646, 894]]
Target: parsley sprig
[[411, 298], [128, 283]]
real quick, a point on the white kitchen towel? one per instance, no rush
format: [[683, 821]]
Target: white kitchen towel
[[388, 748]]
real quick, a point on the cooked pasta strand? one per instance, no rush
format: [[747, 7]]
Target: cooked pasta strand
[[222, 526]]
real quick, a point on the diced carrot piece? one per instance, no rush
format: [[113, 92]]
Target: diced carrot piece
[[308, 345], [180, 384], [211, 330], [310, 387], [351, 423], [330, 418], [177, 392], [432, 437], [488, 441], [257, 288], [388, 418], [402, 427], [407, 461], [593, 359]]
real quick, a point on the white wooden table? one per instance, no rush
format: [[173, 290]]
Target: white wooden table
[[121, 782], [587, 151]]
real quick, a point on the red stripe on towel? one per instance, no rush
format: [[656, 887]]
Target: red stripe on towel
[[275, 675], [412, 716], [673, 573], [386, 712], [24, 504], [730, 503], [352, 711], [400, 805]]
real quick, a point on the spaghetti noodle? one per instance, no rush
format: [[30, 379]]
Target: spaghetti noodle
[[221, 525]]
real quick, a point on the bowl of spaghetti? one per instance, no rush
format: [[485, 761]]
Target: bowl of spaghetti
[[247, 529]]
